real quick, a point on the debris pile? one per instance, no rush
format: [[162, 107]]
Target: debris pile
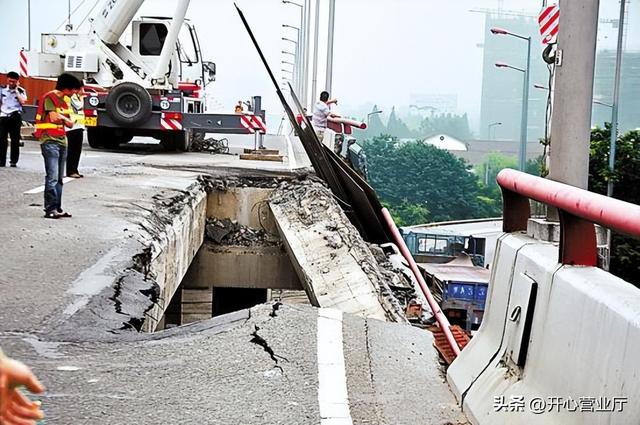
[[399, 280], [201, 144], [400, 284], [230, 232], [211, 184]]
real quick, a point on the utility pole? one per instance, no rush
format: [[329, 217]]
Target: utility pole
[[616, 99], [316, 31], [332, 18], [307, 40], [614, 118], [572, 102], [29, 22]]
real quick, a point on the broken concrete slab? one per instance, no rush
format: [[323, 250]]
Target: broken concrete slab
[[332, 261]]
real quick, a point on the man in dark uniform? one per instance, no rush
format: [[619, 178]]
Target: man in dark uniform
[[12, 97]]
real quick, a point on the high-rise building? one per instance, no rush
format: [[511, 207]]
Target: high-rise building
[[502, 87], [629, 105]]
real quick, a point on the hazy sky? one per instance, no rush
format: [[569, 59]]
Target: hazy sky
[[385, 50]]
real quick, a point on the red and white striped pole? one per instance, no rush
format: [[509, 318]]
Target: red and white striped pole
[[22, 64]]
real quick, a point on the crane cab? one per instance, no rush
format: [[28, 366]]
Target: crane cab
[[186, 65]]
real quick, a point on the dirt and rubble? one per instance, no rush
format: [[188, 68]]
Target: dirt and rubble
[[230, 232], [213, 183]]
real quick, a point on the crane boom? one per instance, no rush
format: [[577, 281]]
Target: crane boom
[[113, 19], [172, 37]]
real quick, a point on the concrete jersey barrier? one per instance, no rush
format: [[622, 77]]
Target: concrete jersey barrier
[[558, 344]]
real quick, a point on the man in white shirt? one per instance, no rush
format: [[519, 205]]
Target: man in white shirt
[[12, 97], [322, 111]]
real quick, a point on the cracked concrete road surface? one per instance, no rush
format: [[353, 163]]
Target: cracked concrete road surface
[[273, 364]]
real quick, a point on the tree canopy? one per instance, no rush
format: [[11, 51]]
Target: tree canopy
[[625, 251], [450, 124], [453, 125], [421, 183]]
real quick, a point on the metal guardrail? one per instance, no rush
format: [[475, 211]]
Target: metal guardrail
[[433, 305], [578, 209]]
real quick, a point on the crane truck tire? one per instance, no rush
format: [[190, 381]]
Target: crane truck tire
[[176, 140], [128, 104]]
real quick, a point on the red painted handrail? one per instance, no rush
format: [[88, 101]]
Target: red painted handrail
[[578, 210], [433, 305]]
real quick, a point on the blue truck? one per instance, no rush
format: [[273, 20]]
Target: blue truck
[[453, 266]]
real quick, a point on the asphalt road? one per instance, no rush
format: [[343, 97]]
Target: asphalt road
[[289, 366]]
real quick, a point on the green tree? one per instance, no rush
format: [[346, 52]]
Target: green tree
[[397, 128], [375, 126], [625, 251], [406, 213], [496, 162], [422, 183]]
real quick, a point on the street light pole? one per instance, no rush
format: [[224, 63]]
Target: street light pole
[[616, 98], [316, 34], [306, 44], [614, 119], [332, 18], [372, 113], [29, 22], [296, 65], [300, 78], [522, 154], [522, 160], [493, 124]]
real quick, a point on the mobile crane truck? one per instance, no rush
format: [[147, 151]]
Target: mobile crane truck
[[154, 87]]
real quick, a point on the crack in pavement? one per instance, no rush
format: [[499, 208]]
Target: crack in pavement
[[258, 340], [378, 412], [274, 309]]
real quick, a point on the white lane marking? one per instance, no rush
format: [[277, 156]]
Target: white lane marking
[[40, 189], [293, 164], [333, 398]]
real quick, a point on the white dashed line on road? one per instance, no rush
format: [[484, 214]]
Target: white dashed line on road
[[333, 398], [40, 189]]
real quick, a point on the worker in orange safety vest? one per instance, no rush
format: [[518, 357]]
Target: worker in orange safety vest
[[52, 117]]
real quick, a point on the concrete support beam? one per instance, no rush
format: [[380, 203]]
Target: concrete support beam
[[218, 266], [333, 263], [247, 205], [172, 255]]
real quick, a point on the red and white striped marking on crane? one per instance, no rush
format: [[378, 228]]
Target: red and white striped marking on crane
[[259, 125], [253, 123], [246, 122], [549, 20], [22, 64], [171, 121]]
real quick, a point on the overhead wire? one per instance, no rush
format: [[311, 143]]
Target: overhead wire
[[88, 13], [68, 19]]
